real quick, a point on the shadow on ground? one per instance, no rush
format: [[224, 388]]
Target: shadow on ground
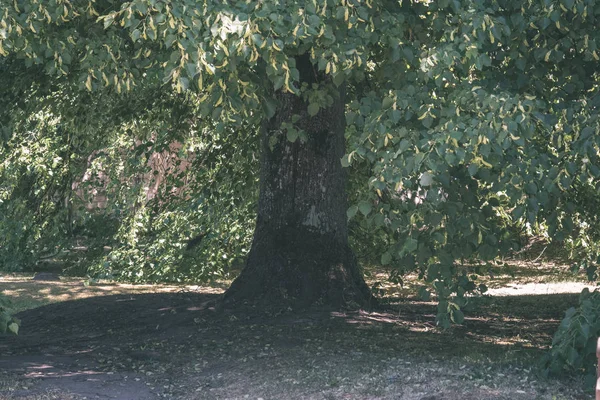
[[177, 346]]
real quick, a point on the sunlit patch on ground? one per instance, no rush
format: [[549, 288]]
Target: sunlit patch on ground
[[520, 289], [26, 293]]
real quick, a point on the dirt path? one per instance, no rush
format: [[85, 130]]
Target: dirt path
[[69, 376]]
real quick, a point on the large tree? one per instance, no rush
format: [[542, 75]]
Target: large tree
[[466, 114], [300, 248]]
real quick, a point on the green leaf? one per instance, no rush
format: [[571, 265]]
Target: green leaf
[[108, 21], [395, 116], [352, 210], [314, 20], [257, 39], [473, 168], [184, 83], [13, 328], [378, 220], [427, 122], [151, 32], [346, 160], [518, 212], [135, 35], [387, 102], [292, 135], [313, 109], [457, 316], [339, 78], [410, 245], [365, 207], [270, 107], [278, 83], [531, 188]]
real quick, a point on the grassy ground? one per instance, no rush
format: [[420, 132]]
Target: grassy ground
[[107, 341]]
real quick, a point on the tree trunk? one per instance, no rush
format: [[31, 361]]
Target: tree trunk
[[300, 254]]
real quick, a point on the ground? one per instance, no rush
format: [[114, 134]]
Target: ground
[[150, 342]]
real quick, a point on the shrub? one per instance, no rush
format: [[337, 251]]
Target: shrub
[[574, 344], [8, 323]]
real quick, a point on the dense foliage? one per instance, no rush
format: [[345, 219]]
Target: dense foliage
[[467, 121], [52, 175], [574, 344]]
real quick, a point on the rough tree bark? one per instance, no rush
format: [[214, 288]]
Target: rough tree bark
[[300, 254]]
